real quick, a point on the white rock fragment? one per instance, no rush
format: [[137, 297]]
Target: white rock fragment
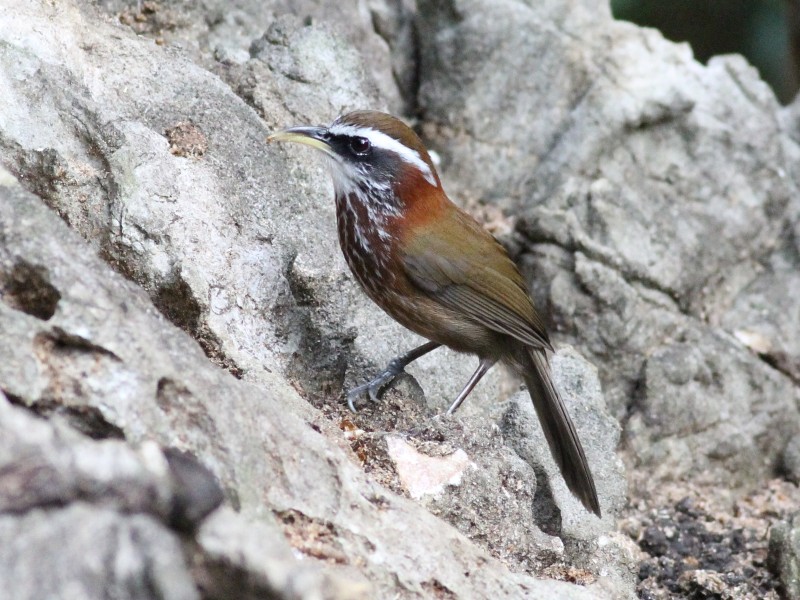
[[424, 475]]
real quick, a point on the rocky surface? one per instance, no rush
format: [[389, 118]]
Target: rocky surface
[[103, 356], [175, 312], [654, 223], [784, 554], [694, 546], [65, 495]]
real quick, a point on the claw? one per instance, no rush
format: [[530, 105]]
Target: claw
[[394, 368], [373, 392], [373, 388], [350, 404]]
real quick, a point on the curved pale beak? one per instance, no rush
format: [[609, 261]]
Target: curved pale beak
[[316, 137]]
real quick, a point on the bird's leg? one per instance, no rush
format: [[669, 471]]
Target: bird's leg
[[392, 370], [483, 367]]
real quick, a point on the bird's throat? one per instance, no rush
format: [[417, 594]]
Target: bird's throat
[[367, 239]]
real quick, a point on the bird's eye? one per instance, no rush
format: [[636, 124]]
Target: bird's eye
[[360, 145]]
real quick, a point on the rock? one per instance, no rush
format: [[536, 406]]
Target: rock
[[219, 34], [84, 551], [458, 466], [213, 239], [791, 460], [195, 491], [167, 221], [652, 202], [698, 547], [251, 557], [784, 554], [103, 350], [708, 403], [43, 465], [69, 503], [424, 475], [651, 228]]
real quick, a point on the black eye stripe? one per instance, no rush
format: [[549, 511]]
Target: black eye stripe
[[355, 148]]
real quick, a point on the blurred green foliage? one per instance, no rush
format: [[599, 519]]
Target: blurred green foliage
[[757, 29]]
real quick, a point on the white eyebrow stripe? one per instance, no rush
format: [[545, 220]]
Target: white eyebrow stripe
[[380, 140]]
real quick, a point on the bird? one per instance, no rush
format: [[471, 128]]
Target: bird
[[433, 268]]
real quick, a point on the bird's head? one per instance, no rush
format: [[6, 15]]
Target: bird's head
[[372, 155]]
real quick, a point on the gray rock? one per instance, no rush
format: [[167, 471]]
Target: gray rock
[[214, 240], [784, 554], [251, 558], [81, 518], [504, 452], [83, 551], [654, 195], [103, 349], [164, 220], [760, 316], [791, 460], [218, 34], [657, 223], [532, 488]]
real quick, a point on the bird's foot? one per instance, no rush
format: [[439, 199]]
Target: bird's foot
[[374, 387], [392, 370]]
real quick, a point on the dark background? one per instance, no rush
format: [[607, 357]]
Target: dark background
[[764, 31]]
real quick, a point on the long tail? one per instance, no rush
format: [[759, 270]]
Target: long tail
[[558, 429]]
